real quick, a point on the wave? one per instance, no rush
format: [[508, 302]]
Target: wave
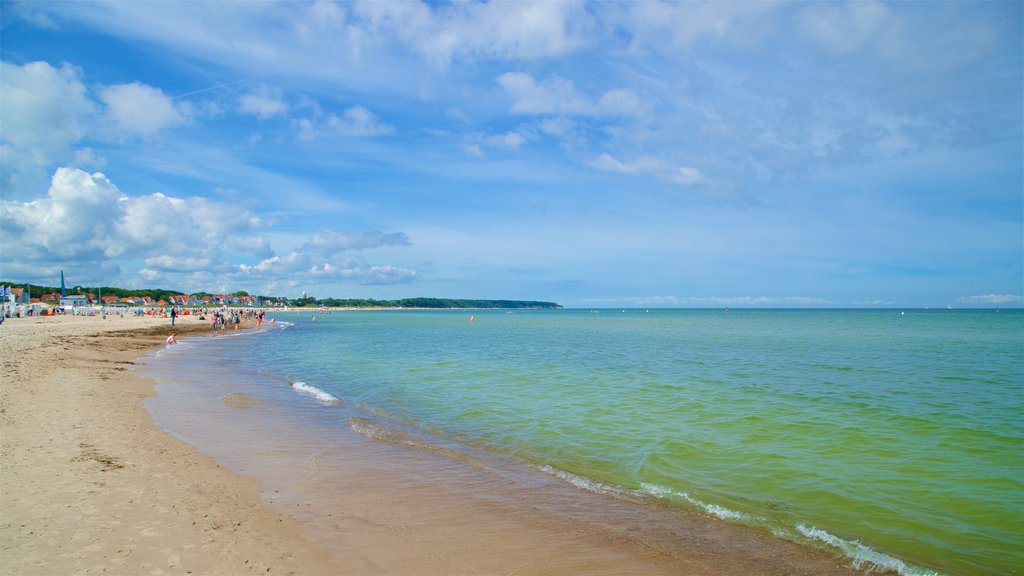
[[584, 482], [321, 395], [861, 554], [713, 509], [862, 557], [645, 490]]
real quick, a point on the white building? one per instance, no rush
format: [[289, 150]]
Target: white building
[[76, 301]]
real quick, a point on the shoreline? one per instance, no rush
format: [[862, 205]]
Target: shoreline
[[91, 483]]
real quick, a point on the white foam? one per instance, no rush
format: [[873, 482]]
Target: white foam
[[325, 397], [713, 509], [582, 482], [862, 554]]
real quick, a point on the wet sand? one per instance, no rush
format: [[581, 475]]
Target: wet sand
[[90, 485]]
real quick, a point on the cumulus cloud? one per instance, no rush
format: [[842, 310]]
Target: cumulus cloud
[[87, 224], [299, 265], [557, 95], [45, 112], [85, 219], [139, 109], [324, 259], [75, 220]]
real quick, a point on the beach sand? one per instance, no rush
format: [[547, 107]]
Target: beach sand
[[89, 484]]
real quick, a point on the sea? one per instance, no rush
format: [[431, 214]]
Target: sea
[[893, 438]]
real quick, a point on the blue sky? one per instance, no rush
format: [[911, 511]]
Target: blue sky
[[589, 153]]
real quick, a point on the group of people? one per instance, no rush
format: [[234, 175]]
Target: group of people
[[221, 319]]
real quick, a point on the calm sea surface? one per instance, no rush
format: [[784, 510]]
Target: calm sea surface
[[894, 437]]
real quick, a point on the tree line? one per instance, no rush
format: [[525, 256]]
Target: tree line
[[36, 290]]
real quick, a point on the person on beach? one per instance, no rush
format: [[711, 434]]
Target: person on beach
[[174, 314]]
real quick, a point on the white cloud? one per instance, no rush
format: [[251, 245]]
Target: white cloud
[[475, 143], [141, 110], [87, 225], [45, 112], [73, 221], [356, 121], [88, 158], [849, 27], [380, 275], [330, 242], [671, 26], [650, 166], [686, 176], [85, 218], [258, 246], [263, 103], [178, 264], [992, 299], [473, 30], [301, 267], [556, 95]]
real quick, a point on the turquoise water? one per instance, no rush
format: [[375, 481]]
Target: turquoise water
[[894, 437]]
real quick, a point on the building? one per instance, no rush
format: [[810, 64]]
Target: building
[[19, 296], [76, 301]]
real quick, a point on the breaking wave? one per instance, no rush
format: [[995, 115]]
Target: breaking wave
[[321, 395]]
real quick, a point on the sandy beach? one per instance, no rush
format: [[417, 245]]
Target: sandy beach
[[91, 485]]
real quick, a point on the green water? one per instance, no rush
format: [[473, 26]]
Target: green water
[[894, 437]]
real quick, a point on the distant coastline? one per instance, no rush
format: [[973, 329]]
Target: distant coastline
[[99, 295]]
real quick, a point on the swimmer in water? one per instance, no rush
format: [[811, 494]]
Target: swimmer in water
[[171, 340]]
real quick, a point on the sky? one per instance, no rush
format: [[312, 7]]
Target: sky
[[594, 154]]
